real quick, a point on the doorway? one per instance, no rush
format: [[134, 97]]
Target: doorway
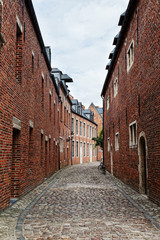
[[143, 170]]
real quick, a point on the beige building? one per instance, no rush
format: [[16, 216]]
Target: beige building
[[83, 129]]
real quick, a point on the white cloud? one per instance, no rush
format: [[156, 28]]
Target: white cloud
[[80, 34]]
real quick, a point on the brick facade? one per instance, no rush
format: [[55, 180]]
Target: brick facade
[[131, 101], [98, 119], [29, 125], [65, 129], [82, 144]]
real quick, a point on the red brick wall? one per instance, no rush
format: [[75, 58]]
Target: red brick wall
[[137, 100], [26, 166]]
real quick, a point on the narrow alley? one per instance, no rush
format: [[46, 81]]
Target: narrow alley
[[79, 202]]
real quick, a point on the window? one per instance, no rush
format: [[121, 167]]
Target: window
[[87, 149], [61, 145], [31, 150], [77, 149], [42, 100], [108, 143], [95, 132], [54, 113], [72, 125], [115, 87], [130, 56], [49, 150], [76, 127], [116, 141], [87, 131], [133, 134], [80, 128], [107, 102], [72, 148], [84, 150], [90, 132], [84, 129], [50, 107], [32, 62]]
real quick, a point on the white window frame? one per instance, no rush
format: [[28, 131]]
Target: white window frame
[[88, 149], [77, 155], [80, 126], [77, 127], [72, 127], [108, 143], [84, 149], [90, 132], [84, 129], [133, 134], [130, 56], [107, 102], [117, 141], [73, 152], [115, 87], [87, 131]]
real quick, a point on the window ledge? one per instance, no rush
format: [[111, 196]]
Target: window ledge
[[133, 146]]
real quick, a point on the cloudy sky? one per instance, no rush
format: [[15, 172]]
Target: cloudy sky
[[80, 33]]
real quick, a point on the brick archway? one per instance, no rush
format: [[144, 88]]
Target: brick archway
[[142, 167]]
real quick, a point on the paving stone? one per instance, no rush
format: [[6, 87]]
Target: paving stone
[[81, 203]]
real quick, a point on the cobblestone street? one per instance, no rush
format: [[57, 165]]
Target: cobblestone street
[[81, 203]]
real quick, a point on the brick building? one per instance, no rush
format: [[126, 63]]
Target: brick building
[[83, 129], [65, 117], [131, 95], [29, 125], [98, 118]]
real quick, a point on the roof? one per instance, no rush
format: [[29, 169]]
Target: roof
[[83, 116], [100, 110], [111, 54], [121, 19], [127, 18], [115, 40], [66, 78], [56, 70], [33, 18]]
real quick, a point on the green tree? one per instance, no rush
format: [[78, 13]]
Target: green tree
[[99, 140]]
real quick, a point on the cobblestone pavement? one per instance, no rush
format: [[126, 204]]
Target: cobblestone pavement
[[80, 203]]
